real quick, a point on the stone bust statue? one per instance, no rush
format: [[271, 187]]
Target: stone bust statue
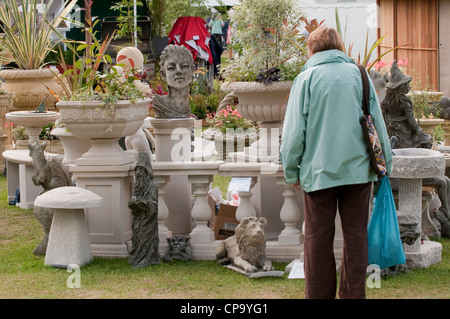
[[177, 70]]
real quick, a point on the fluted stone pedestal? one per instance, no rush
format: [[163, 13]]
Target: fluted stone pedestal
[[410, 166]]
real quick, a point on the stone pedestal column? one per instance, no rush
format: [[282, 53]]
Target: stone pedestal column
[[409, 167], [109, 226], [410, 202], [173, 144]]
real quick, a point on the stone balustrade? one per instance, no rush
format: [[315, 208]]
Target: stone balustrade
[[200, 175]]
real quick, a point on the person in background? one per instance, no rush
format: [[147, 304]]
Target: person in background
[[324, 153], [216, 25]]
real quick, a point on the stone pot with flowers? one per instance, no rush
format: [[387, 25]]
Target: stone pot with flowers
[[101, 104], [230, 131], [272, 52]]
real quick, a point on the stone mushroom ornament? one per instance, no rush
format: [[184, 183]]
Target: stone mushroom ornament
[[68, 241]]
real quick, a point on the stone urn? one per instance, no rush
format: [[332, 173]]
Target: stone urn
[[265, 103], [6, 101], [103, 126], [229, 143], [30, 87], [428, 125], [73, 147]]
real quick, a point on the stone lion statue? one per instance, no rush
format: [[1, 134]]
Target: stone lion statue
[[247, 248]]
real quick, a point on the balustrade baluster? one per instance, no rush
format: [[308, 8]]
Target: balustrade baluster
[[290, 215], [201, 211]]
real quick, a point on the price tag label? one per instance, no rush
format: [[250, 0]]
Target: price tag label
[[240, 184]]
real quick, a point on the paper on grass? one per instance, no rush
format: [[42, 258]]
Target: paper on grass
[[297, 270]]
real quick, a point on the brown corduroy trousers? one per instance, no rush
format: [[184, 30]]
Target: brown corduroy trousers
[[320, 207]]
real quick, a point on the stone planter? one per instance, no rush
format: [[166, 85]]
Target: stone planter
[[73, 147], [90, 120], [5, 139], [29, 87], [227, 143], [21, 144], [446, 128], [428, 125], [267, 105]]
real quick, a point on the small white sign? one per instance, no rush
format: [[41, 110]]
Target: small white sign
[[297, 270], [240, 184]]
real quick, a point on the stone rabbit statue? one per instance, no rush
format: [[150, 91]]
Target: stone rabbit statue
[[49, 174]]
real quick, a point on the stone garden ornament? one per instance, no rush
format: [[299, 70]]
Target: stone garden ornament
[[179, 248], [405, 132], [247, 248], [177, 69], [398, 112], [49, 174], [144, 208]]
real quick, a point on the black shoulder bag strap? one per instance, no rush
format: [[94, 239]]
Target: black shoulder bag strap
[[366, 91]]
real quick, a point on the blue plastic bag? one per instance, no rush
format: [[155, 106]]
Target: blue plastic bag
[[385, 247]]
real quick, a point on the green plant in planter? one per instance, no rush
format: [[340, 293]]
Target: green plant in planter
[[26, 42], [422, 101], [265, 30], [93, 77], [19, 133]]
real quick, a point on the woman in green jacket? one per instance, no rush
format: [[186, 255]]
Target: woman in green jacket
[[324, 153]]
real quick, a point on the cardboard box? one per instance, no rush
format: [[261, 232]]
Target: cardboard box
[[223, 215], [225, 222]]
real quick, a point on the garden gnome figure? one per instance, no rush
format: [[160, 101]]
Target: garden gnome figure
[[398, 112], [177, 69], [49, 174], [144, 208]]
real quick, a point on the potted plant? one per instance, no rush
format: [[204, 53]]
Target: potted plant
[[425, 110], [271, 54], [20, 138], [101, 105], [27, 40], [6, 102], [230, 131]]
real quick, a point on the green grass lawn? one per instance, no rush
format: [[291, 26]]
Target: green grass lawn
[[24, 275]]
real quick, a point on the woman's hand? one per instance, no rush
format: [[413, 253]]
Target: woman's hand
[[297, 185]]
